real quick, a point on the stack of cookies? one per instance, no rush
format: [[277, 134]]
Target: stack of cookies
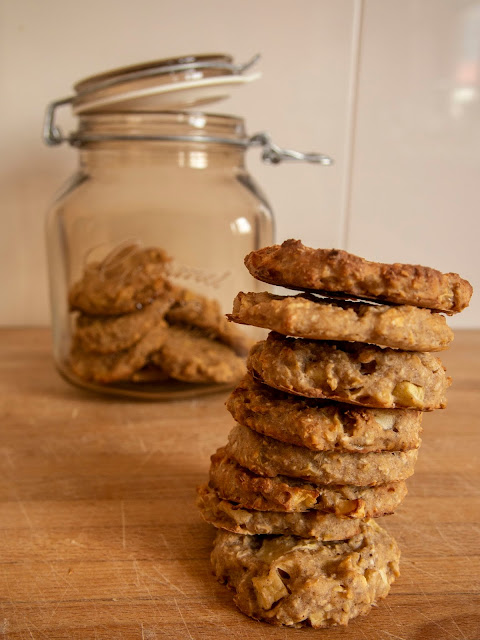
[[328, 429], [133, 324]]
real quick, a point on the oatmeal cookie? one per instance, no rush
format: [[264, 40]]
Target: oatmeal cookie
[[307, 316], [237, 484], [107, 334], [224, 514], [291, 581], [322, 425], [194, 310], [350, 372], [113, 367], [295, 266], [268, 457], [188, 355], [124, 281]]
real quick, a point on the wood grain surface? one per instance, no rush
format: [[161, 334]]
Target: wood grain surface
[[100, 538]]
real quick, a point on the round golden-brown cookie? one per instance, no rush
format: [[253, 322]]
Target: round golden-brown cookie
[[268, 457], [121, 365], [188, 355], [307, 316], [291, 581], [108, 334], [322, 425], [295, 266], [124, 281], [350, 372], [237, 484], [224, 514], [194, 310]]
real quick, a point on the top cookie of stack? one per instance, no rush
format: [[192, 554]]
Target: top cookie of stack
[[295, 266]]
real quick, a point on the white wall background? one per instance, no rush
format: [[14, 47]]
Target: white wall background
[[390, 89]]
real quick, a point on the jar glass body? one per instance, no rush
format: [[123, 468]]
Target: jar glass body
[[173, 181]]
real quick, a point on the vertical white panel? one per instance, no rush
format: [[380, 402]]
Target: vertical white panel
[[302, 101], [416, 156]]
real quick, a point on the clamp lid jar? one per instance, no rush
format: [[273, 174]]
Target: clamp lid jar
[[146, 245]]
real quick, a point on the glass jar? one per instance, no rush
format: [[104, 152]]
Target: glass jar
[[170, 181], [146, 242]]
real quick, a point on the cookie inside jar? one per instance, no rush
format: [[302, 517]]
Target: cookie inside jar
[[140, 326]]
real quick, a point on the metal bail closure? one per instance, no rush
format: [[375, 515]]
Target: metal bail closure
[[273, 154], [51, 133]]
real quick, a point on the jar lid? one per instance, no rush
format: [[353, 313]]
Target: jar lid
[[167, 85], [170, 83]]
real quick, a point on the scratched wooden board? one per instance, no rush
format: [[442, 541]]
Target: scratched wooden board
[[100, 538]]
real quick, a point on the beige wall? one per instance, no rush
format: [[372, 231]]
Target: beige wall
[[389, 88]]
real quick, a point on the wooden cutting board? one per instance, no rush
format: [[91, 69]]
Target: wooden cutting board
[[100, 538]]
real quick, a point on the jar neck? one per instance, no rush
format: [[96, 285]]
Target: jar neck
[[185, 139]]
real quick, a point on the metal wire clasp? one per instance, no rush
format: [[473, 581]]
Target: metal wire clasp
[[273, 154], [51, 133]]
